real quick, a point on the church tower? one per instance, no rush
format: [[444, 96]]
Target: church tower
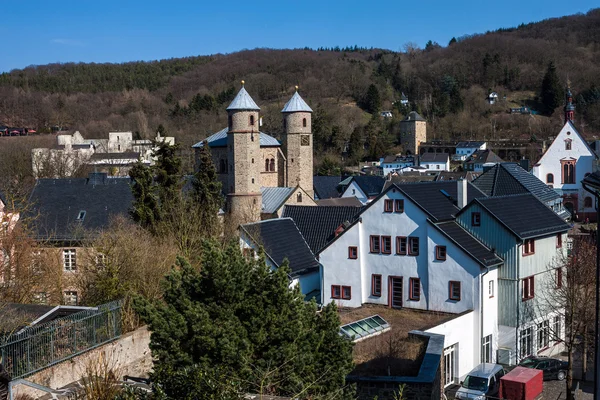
[[413, 132], [244, 199], [297, 143], [569, 106]]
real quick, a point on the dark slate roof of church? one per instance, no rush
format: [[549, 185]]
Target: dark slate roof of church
[[318, 224], [413, 116], [524, 215], [57, 204], [281, 239], [469, 244], [325, 187], [219, 139], [509, 178], [438, 198]]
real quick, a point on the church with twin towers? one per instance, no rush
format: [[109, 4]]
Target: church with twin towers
[[252, 164]]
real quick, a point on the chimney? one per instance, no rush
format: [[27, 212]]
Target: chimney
[[461, 193]]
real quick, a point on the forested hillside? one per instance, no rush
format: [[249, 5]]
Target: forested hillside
[[448, 84]]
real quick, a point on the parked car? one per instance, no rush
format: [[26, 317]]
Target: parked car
[[482, 381], [553, 367]]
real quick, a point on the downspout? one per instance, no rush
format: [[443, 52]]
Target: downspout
[[518, 307], [481, 288]]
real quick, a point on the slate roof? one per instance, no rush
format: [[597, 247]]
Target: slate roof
[[243, 101], [435, 157], [371, 185], [438, 198], [454, 176], [413, 116], [340, 201], [296, 104], [524, 215], [318, 224], [408, 177], [57, 204], [509, 178], [219, 139], [470, 144], [469, 244], [281, 239], [325, 187], [274, 197], [484, 156]]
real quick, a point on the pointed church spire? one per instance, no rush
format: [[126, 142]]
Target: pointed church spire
[[296, 104], [243, 101], [569, 106]]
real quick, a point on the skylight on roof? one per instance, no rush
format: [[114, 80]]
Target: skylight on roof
[[364, 328], [81, 215]]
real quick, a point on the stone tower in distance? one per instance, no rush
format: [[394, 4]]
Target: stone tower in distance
[[297, 143], [244, 199], [413, 132]]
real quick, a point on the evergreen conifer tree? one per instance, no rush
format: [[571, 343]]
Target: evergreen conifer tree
[[146, 210], [207, 194], [551, 89], [237, 324]]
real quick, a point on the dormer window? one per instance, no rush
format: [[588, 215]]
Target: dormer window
[[81, 215]]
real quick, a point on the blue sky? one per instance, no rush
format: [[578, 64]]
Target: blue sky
[[44, 31]]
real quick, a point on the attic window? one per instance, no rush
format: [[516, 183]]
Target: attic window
[[81, 215], [568, 144]]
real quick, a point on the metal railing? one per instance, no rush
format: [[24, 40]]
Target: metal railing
[[37, 347]]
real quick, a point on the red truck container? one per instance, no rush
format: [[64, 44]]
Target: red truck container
[[522, 384]]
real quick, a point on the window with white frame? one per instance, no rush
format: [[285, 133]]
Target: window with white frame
[[70, 297], [486, 349], [491, 289], [70, 259], [556, 333], [525, 342], [543, 335]]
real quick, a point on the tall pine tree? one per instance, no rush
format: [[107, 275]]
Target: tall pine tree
[[207, 196], [146, 209]]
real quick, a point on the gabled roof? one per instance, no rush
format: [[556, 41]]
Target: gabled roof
[[326, 187], [340, 201], [524, 215], [570, 125], [413, 116], [435, 157], [470, 144], [57, 204], [281, 239], [243, 101], [438, 199], [219, 139], [274, 197], [318, 224], [403, 96], [509, 178], [408, 177], [484, 156], [296, 104], [469, 244], [371, 185], [398, 158]]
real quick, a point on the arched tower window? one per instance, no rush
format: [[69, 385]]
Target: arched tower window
[[272, 165], [252, 120], [223, 166], [550, 178], [587, 202], [267, 165], [304, 122], [299, 198]]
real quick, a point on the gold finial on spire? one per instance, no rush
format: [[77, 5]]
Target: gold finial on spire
[[243, 82], [296, 88]]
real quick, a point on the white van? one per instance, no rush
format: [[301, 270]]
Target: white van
[[483, 381]]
